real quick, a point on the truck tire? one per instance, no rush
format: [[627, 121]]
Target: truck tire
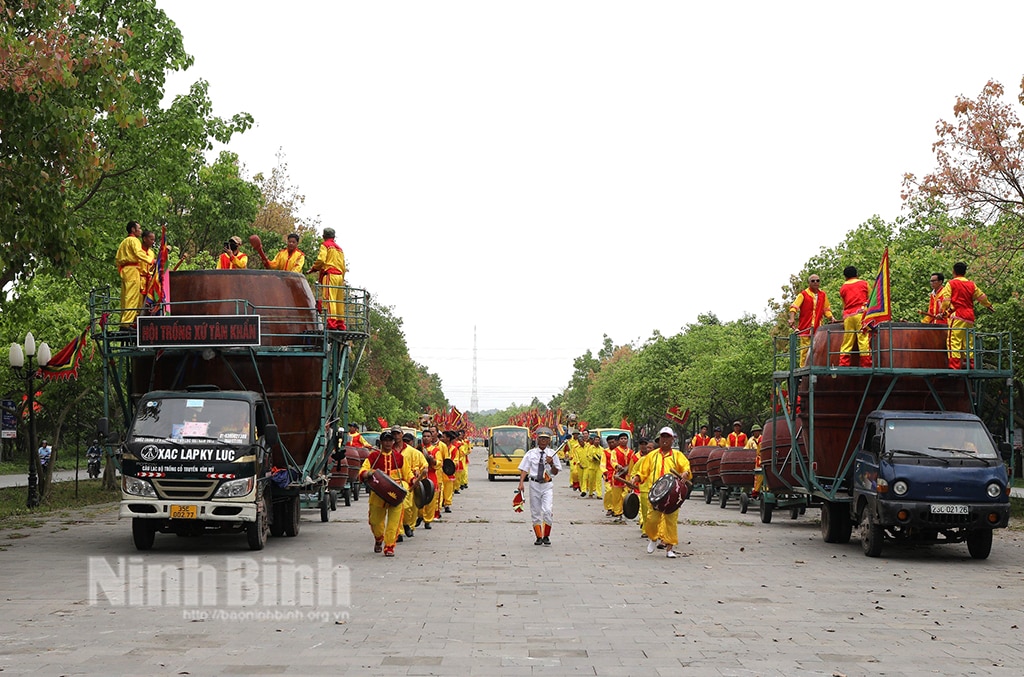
[[744, 503], [292, 515], [256, 533], [143, 533], [723, 498], [794, 512], [325, 508], [872, 535], [836, 525], [490, 477], [334, 499], [277, 520], [979, 543], [766, 510]]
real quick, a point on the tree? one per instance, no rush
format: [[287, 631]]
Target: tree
[[980, 172], [280, 203]]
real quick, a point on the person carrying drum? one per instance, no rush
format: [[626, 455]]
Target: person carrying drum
[[661, 462], [592, 456], [540, 464], [414, 459], [385, 520]]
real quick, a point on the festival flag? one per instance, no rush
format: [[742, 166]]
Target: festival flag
[[879, 308], [626, 425], [64, 365], [675, 415], [383, 422], [155, 295]]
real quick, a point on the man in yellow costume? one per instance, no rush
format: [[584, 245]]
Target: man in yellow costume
[[574, 460], [232, 258], [132, 264], [330, 264], [593, 458], [754, 442], [435, 448], [291, 258], [812, 306], [958, 298], [385, 519], [417, 463], [661, 461]]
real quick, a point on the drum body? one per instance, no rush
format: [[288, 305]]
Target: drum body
[[698, 458], [737, 469], [390, 491], [668, 493], [715, 466]]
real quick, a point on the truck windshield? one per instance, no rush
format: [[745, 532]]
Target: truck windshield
[[945, 439], [192, 417]]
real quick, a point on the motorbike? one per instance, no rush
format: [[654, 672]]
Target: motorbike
[[93, 459]]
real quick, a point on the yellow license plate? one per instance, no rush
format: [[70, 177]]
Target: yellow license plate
[[184, 512]]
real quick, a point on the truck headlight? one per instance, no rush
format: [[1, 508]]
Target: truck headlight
[[235, 488], [137, 487], [994, 490], [900, 487]]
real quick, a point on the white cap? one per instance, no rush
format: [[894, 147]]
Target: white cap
[[666, 431]]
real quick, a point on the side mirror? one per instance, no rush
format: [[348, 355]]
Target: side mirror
[[876, 444], [1006, 451], [272, 434], [486, 444]]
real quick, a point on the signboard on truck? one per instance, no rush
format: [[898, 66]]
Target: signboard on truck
[[198, 331]]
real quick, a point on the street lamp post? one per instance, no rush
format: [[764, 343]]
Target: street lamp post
[[22, 365]]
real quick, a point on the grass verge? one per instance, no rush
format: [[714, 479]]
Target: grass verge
[[61, 498]]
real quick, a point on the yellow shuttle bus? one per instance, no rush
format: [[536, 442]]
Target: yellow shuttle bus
[[506, 446]]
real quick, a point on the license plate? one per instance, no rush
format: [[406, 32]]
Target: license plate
[[184, 512], [944, 509]]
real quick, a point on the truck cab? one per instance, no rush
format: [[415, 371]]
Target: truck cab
[[195, 460], [928, 477]]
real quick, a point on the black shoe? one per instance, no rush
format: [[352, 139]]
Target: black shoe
[[447, 509], [546, 540], [419, 520], [427, 525], [407, 529], [539, 541], [661, 546], [400, 539], [456, 491], [465, 486]]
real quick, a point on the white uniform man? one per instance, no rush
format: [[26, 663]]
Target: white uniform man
[[539, 465]]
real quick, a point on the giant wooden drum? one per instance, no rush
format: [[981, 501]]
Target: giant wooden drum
[[698, 458], [737, 467], [287, 308]]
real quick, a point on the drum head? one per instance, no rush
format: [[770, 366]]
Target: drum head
[[448, 466], [667, 494], [424, 493], [631, 505]]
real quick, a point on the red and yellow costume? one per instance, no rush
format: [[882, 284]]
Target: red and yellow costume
[[616, 489], [574, 462], [755, 444], [430, 510], [330, 263], [133, 267], [700, 440], [293, 262], [592, 458], [232, 261], [811, 307], [659, 525], [356, 440], [716, 441], [414, 459], [737, 439], [958, 297], [935, 313], [854, 294], [385, 520]]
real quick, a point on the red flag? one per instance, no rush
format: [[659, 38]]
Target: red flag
[[383, 423], [64, 365], [676, 416], [879, 307]]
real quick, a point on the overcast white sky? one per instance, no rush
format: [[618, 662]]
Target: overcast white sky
[[511, 165]]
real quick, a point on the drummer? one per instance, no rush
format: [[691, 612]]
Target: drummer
[[754, 442], [717, 440], [653, 466], [540, 464], [430, 451], [385, 520], [644, 447], [417, 463]]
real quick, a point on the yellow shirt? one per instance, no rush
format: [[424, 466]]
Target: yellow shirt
[[331, 261], [131, 253], [720, 442], [402, 475], [229, 262], [293, 263], [655, 464]]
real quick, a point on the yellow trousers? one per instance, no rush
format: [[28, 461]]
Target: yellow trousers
[[645, 509], [574, 475], [805, 344], [430, 509], [385, 520], [409, 510], [592, 481], [852, 335], [957, 344], [462, 478], [659, 525], [614, 498], [131, 294], [449, 489], [333, 296]]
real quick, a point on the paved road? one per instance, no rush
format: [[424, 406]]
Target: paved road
[[21, 479], [474, 596]]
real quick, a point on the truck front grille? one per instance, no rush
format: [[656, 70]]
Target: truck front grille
[[190, 490]]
